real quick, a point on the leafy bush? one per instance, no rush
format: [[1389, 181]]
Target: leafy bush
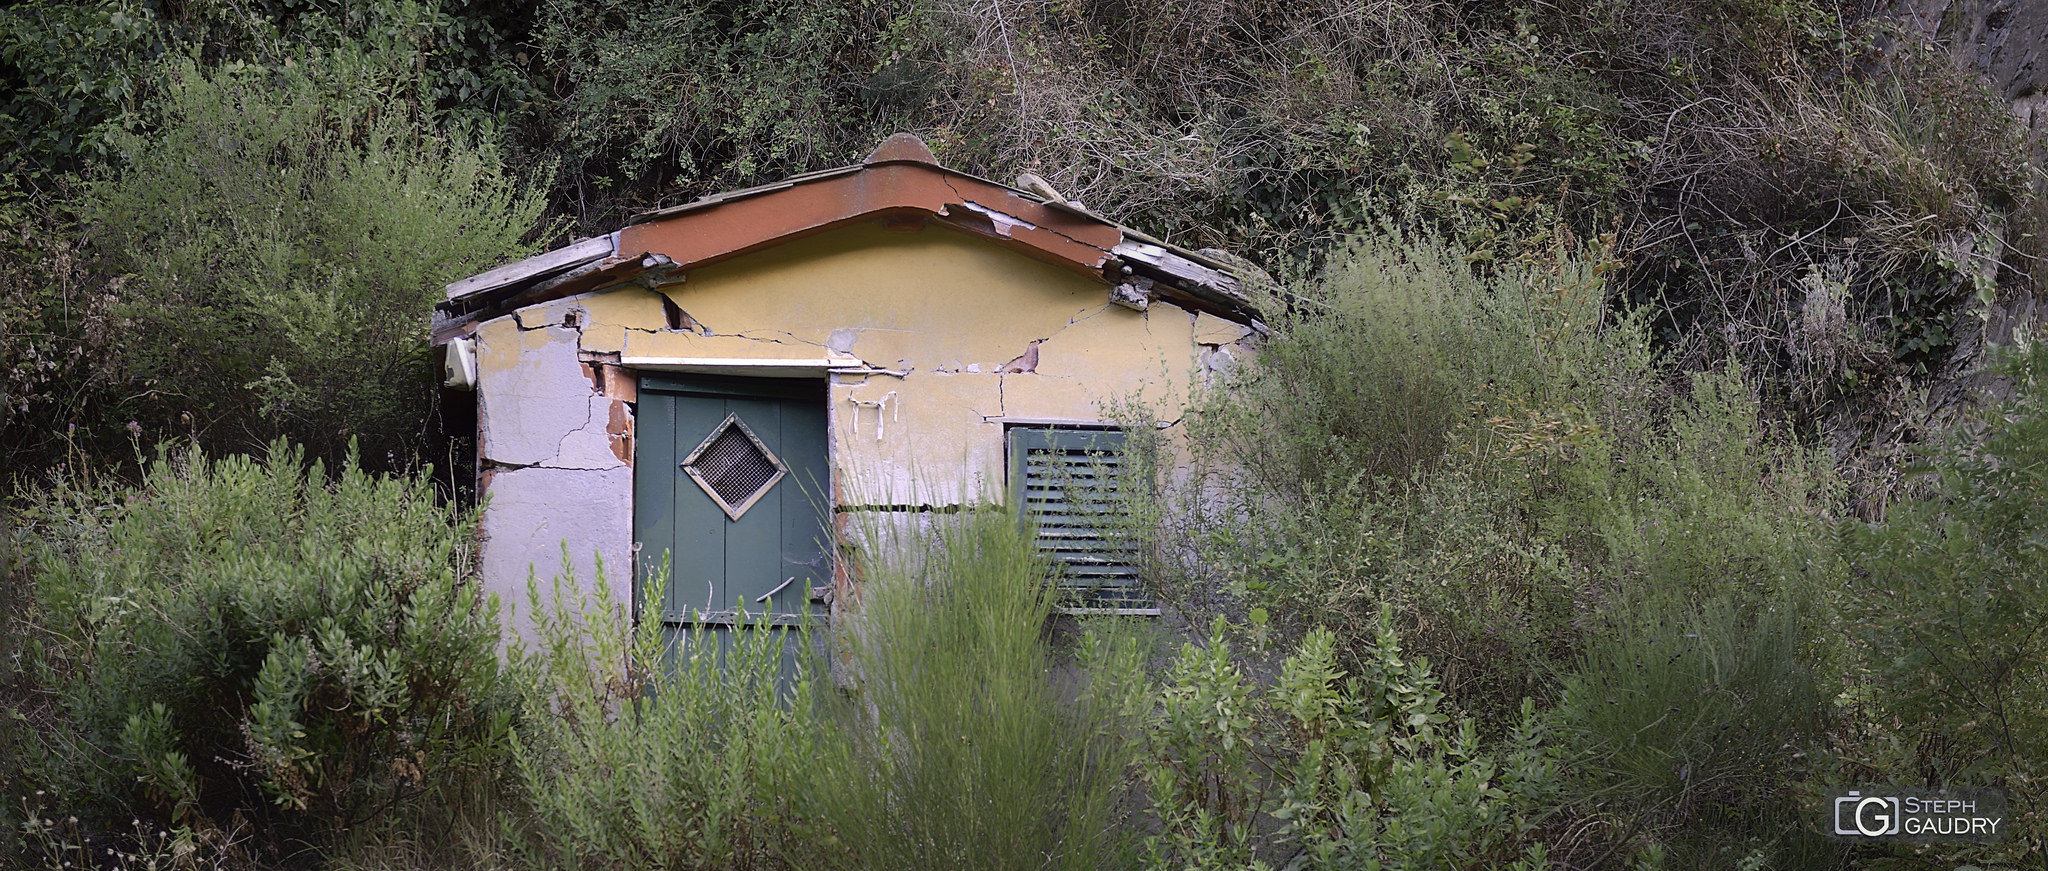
[[1365, 769], [1705, 652], [724, 95], [1948, 606], [283, 247], [1392, 444], [250, 649], [1696, 713], [954, 747], [1709, 499], [1401, 341], [644, 748], [80, 72]]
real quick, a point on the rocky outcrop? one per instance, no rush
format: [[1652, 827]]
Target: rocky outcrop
[[2004, 40]]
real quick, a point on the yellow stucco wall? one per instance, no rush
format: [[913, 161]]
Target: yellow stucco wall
[[950, 312], [929, 334]]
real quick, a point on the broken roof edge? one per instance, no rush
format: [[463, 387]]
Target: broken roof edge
[[450, 321], [539, 266], [1192, 278], [1216, 282]]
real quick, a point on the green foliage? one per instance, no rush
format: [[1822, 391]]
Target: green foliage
[[1366, 771], [644, 747], [713, 95], [251, 644], [280, 248], [80, 74], [71, 71], [954, 747], [1369, 376], [1489, 455], [1392, 444], [1711, 503], [1949, 604], [17, 680], [950, 744], [1693, 712], [1198, 762]]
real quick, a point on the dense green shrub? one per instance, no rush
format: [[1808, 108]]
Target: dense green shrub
[[644, 747], [1499, 461], [1708, 499], [721, 95], [1706, 648], [954, 747], [1360, 770], [1392, 442], [1948, 605], [1695, 713], [78, 73], [253, 652], [282, 237], [1368, 376], [72, 70]]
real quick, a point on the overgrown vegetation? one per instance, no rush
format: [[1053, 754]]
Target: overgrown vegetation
[[697, 753], [1360, 770], [1947, 606], [955, 748], [1497, 459], [1609, 333], [250, 657], [279, 250], [1813, 190]]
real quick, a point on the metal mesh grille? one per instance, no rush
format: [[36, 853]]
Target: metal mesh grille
[[733, 467]]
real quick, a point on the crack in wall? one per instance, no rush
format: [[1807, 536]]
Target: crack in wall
[[589, 413], [498, 467]]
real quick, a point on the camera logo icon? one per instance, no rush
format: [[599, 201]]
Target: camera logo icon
[[1870, 816]]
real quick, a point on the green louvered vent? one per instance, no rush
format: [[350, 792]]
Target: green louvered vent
[[1069, 484]]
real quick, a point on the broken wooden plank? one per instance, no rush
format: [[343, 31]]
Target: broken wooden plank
[[1180, 267], [594, 248]]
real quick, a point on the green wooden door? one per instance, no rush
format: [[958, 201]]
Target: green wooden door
[[728, 483]]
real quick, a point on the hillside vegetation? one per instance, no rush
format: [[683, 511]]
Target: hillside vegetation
[[1649, 439]]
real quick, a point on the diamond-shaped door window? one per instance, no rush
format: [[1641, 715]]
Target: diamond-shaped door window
[[734, 467]]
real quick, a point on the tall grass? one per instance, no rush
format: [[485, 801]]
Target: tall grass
[[954, 748], [943, 738], [647, 749], [1689, 720]]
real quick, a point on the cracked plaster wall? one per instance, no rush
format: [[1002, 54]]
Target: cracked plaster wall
[[938, 341]]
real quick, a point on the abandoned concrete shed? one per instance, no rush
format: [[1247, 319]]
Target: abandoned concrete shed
[[716, 381]]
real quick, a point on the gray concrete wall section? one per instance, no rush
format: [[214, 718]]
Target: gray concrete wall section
[[551, 476]]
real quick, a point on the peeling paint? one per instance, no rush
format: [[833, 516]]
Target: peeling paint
[[620, 428], [1002, 222], [1025, 362], [621, 384], [973, 337], [882, 405]]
